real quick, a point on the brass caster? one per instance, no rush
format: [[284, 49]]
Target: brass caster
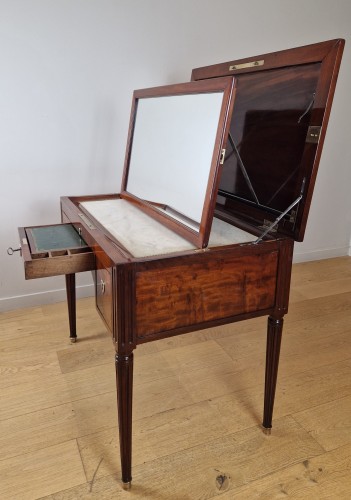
[[73, 340], [267, 430], [127, 486]]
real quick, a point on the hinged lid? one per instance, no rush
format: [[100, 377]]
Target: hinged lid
[[281, 111]]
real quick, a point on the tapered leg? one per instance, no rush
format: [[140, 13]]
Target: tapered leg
[[124, 377], [274, 335], [71, 302]]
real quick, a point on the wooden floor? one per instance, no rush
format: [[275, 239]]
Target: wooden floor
[[197, 405]]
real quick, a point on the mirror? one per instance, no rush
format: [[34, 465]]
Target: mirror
[[175, 142]]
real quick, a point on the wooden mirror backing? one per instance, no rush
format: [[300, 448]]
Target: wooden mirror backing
[[277, 131]]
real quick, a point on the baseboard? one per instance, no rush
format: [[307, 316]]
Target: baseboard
[[328, 253], [42, 298]]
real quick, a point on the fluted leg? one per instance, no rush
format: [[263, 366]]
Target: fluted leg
[[124, 377], [71, 302], [274, 335]]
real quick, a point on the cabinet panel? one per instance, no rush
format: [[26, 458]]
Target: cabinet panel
[[185, 295], [104, 295]]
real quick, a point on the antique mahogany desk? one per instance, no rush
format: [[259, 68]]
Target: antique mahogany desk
[[261, 196]]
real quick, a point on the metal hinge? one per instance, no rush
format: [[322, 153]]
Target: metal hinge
[[273, 225], [293, 216], [221, 160], [267, 224], [86, 221], [313, 134]]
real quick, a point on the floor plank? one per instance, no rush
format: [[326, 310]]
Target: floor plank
[[35, 431], [294, 394], [28, 397], [328, 423], [42, 472], [198, 472], [189, 426], [326, 476]]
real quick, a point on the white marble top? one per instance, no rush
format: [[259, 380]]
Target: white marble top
[[144, 236]]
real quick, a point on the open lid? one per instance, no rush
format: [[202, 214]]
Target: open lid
[[175, 145], [278, 125]]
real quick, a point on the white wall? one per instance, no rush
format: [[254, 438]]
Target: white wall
[[67, 71]]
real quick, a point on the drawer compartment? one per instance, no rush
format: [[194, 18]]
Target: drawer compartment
[[54, 250], [104, 295]]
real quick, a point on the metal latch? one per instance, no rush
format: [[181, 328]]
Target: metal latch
[[313, 134]]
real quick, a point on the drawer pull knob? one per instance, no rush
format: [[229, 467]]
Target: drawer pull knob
[[102, 284]]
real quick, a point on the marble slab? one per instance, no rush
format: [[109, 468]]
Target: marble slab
[[144, 236]]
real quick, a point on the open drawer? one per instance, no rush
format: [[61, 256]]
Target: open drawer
[[54, 250]]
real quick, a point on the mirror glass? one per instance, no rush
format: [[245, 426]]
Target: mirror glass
[[174, 151]]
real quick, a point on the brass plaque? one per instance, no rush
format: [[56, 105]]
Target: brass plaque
[[251, 64]]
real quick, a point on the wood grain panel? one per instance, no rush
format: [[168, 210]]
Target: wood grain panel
[[189, 294]]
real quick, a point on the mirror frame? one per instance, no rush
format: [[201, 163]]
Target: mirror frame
[[226, 85]]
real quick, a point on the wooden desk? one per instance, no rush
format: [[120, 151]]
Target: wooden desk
[[150, 297], [145, 299]]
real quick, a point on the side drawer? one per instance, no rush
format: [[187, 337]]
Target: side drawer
[[104, 294], [54, 250]]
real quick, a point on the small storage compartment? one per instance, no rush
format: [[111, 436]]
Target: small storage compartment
[[104, 294], [54, 250]]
